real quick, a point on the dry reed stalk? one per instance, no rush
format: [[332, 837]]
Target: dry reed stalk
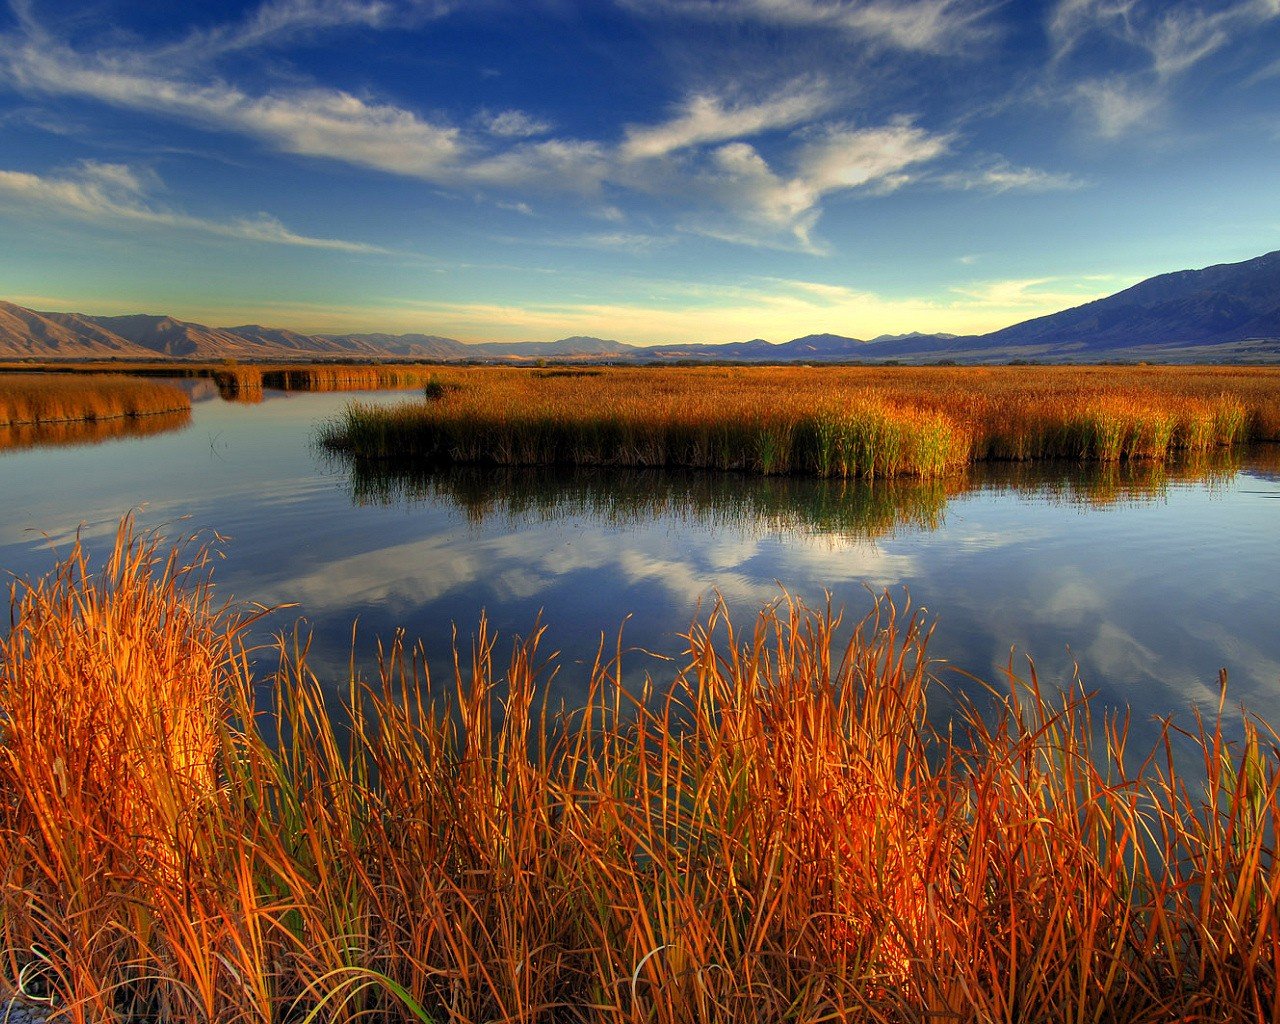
[[776, 833]]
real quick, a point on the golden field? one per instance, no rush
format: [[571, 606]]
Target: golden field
[[826, 421], [772, 832]]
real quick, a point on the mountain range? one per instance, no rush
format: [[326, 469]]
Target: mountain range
[[1224, 313]]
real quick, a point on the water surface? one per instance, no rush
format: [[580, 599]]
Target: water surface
[[1150, 581]]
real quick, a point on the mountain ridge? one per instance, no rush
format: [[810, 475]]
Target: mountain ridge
[[1224, 312]]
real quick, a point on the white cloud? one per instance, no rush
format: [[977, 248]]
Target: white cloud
[[1027, 294], [313, 122], [1002, 176], [554, 165], [834, 160], [513, 124], [1118, 106], [1174, 37], [697, 161], [282, 21], [934, 26], [705, 118], [1168, 39], [117, 194]]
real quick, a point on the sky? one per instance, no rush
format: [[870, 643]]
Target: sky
[[651, 171]]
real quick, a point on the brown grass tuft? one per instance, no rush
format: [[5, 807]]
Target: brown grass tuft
[[775, 833]]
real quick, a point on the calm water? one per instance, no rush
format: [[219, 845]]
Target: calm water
[[1150, 584]]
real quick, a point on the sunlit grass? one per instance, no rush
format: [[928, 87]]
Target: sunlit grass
[[773, 832], [822, 421], [27, 399]]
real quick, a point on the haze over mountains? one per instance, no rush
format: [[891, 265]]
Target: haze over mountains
[[1224, 313]]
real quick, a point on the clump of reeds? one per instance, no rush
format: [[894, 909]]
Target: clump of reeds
[[58, 398], [828, 421], [775, 833]]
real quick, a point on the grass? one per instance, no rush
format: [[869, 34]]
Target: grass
[[242, 382], [828, 422], [774, 833], [28, 399]]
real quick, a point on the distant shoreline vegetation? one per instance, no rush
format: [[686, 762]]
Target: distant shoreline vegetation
[[923, 422], [49, 398]]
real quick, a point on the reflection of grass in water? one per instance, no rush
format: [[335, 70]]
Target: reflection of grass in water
[[847, 508], [836, 507], [770, 832], [1106, 484], [40, 435]]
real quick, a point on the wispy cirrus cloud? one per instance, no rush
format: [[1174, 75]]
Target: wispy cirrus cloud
[[1159, 42], [278, 22], [1002, 176], [696, 161], [308, 121], [1173, 37], [513, 124], [931, 26], [709, 117], [115, 194]]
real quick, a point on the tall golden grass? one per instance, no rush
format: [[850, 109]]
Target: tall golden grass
[[55, 398], [245, 381], [774, 833], [823, 421]]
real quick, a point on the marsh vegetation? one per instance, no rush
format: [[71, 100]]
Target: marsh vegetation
[[772, 831], [827, 422], [47, 398]]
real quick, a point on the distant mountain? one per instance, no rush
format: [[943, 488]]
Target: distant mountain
[[1224, 313], [408, 346], [565, 347], [1231, 302], [24, 333], [163, 335]]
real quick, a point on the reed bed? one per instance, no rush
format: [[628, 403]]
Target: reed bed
[[244, 382], [824, 421], [54, 398], [775, 833]]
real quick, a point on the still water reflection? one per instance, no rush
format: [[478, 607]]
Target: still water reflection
[[1150, 580]]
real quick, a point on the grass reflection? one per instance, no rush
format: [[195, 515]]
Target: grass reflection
[[846, 508], [77, 432]]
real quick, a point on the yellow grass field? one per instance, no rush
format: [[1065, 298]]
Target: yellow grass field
[[771, 832]]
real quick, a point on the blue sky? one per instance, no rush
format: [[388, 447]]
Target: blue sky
[[646, 170]]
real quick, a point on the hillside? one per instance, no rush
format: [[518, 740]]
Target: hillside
[[1224, 313]]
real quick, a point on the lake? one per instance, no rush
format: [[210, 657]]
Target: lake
[[1149, 581]]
